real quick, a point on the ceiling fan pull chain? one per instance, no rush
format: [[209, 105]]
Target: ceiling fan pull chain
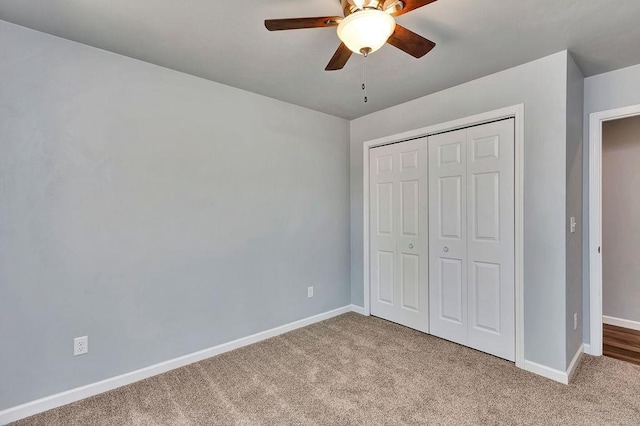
[[364, 75]]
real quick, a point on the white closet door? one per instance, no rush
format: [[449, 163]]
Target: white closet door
[[448, 236], [490, 225], [398, 233], [471, 243]]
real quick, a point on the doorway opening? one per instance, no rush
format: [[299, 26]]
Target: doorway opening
[[614, 234], [621, 238]]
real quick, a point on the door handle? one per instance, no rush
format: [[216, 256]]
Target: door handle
[[410, 245], [445, 249]]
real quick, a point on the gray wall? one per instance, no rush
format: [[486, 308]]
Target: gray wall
[[575, 103], [602, 92], [155, 212], [620, 212], [542, 86]]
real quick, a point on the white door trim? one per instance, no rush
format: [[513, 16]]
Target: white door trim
[[595, 218], [516, 112]]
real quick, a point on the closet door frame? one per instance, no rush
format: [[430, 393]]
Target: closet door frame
[[517, 113]]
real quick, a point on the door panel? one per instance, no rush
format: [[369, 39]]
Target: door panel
[[409, 205], [450, 152], [486, 295], [409, 160], [385, 208], [385, 164], [399, 237], [447, 239], [385, 276], [485, 194], [383, 233], [471, 244], [451, 306], [491, 244], [410, 279], [451, 210]]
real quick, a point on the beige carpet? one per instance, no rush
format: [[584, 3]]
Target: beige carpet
[[357, 370]]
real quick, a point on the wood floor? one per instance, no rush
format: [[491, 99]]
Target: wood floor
[[621, 343]]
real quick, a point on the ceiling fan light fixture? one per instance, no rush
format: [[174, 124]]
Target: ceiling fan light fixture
[[366, 30]]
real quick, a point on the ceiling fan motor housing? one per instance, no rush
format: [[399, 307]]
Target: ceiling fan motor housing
[[349, 6]]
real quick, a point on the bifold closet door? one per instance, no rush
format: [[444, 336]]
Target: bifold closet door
[[448, 236], [491, 243], [471, 245], [398, 233]]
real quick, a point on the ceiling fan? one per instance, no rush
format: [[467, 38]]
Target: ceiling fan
[[366, 26]]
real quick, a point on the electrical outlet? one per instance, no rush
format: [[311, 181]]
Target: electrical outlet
[[575, 321], [80, 345], [310, 291]]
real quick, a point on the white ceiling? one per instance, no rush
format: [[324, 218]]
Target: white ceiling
[[225, 41]]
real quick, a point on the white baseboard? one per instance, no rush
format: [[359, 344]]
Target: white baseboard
[[633, 325], [574, 363], [587, 348], [357, 309], [47, 403], [548, 372], [563, 377]]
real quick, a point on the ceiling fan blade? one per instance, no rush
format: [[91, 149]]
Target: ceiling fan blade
[[410, 5], [339, 58], [410, 42], [297, 23]]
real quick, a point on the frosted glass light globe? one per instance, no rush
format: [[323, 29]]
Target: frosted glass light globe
[[366, 29]]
